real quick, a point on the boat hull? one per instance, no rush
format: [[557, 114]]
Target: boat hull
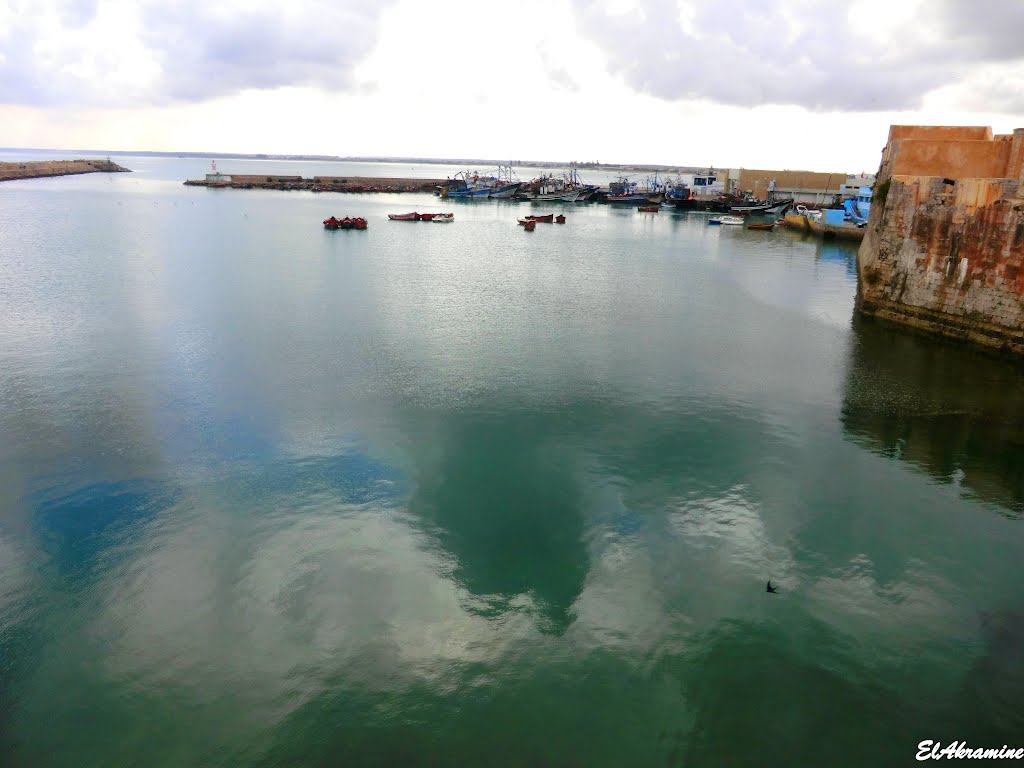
[[772, 209], [704, 205]]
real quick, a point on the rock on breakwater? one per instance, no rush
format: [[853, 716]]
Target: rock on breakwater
[[43, 168]]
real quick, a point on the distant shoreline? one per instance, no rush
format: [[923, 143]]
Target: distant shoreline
[[473, 162], [38, 169]]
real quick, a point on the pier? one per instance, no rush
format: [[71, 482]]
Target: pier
[[42, 169], [316, 183]]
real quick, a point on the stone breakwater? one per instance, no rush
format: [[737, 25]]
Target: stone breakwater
[[317, 183], [944, 247], [43, 168]]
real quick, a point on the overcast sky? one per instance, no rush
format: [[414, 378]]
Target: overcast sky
[[767, 84]]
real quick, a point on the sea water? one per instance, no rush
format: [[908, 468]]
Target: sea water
[[466, 494]]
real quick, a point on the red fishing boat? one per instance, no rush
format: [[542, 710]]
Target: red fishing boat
[[529, 226], [404, 216], [559, 219], [546, 219], [346, 223]]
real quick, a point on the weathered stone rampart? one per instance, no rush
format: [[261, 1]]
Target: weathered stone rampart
[[944, 251]]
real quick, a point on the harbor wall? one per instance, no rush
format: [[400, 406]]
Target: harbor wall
[[42, 168], [317, 183], [944, 250]]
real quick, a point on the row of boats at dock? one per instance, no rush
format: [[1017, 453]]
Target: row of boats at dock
[[647, 195], [846, 221]]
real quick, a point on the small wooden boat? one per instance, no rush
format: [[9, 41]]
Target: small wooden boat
[[331, 223], [443, 218], [762, 225], [359, 223], [545, 219], [647, 208], [559, 219], [734, 220], [529, 226], [404, 216]]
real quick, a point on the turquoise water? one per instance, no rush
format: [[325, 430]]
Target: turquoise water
[[463, 494]]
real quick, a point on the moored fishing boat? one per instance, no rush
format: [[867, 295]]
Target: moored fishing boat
[[769, 208], [716, 204], [443, 218], [730, 220], [547, 218], [569, 188], [648, 208], [404, 216], [761, 225], [626, 192], [464, 185]]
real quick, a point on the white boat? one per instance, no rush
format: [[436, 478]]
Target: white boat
[[443, 217], [734, 220]]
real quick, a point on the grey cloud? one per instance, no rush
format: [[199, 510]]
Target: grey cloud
[[749, 55], [989, 30], [204, 51]]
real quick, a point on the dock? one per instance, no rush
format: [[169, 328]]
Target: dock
[[348, 184], [43, 168], [801, 223]]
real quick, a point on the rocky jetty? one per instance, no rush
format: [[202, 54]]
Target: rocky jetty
[[42, 168]]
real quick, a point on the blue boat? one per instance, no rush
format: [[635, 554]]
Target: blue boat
[[858, 208]]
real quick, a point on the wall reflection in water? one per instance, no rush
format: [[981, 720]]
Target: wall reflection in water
[[956, 413]]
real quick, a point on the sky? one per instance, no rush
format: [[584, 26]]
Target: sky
[[772, 84]]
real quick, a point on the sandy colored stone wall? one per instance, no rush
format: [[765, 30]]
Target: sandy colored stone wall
[[941, 132], [951, 159], [948, 259], [756, 181]]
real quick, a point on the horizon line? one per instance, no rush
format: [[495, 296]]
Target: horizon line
[[397, 158]]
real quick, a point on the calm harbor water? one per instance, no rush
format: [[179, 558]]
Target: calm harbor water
[[462, 494]]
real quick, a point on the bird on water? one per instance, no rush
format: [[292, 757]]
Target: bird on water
[[770, 588]]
